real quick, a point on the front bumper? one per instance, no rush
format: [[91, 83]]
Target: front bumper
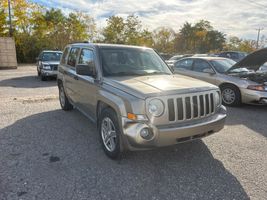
[[49, 72], [172, 134], [254, 97]]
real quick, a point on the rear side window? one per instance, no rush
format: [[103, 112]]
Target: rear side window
[[86, 57], [201, 65], [73, 56], [64, 56], [184, 64]]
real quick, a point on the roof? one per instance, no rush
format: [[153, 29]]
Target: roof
[[208, 58], [103, 45], [51, 51]]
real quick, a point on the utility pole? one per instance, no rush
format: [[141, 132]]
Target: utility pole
[[10, 22], [258, 38]]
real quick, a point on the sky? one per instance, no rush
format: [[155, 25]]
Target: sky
[[233, 17]]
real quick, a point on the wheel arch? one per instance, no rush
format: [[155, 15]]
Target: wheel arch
[[233, 85]]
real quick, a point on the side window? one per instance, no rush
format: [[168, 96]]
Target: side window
[[73, 56], [86, 57], [184, 64], [64, 56], [201, 65]]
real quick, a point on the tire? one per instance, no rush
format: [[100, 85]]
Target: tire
[[231, 95], [109, 130], [43, 78], [63, 99]]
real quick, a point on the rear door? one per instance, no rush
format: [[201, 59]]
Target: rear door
[[199, 67], [70, 74], [184, 67]]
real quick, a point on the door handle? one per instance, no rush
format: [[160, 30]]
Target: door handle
[[76, 77]]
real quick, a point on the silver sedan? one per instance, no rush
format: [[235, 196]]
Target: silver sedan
[[240, 82]]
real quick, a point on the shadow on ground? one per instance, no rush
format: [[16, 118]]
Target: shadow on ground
[[27, 82], [57, 155], [251, 116]]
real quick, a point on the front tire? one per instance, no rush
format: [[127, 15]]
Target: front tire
[[231, 95], [110, 133], [43, 78], [63, 99]]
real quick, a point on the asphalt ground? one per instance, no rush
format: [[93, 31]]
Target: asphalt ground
[[47, 153]]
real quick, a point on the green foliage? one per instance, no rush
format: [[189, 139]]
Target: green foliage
[[129, 31], [236, 44], [200, 38], [36, 28]]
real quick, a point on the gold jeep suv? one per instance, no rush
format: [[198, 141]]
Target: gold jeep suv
[[134, 98]]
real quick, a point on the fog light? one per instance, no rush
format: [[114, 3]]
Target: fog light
[[146, 134]]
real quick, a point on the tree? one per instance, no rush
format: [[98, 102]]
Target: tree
[[164, 39], [200, 38], [126, 31]]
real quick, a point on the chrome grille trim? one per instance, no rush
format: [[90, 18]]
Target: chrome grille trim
[[190, 110]]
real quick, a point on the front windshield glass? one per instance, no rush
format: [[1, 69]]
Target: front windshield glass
[[222, 65], [132, 61], [51, 56]]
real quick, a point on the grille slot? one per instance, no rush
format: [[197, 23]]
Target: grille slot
[[180, 108], [171, 110], [191, 107]]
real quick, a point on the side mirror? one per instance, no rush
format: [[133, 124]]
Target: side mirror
[[209, 71], [87, 70]]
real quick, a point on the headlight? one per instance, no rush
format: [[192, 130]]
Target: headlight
[[257, 87], [217, 99], [47, 67], [156, 107]]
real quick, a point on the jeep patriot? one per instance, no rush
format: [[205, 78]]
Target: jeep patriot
[[134, 99]]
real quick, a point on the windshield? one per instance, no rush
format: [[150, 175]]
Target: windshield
[[132, 61], [222, 65], [51, 56]]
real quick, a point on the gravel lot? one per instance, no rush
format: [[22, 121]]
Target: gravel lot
[[46, 153]]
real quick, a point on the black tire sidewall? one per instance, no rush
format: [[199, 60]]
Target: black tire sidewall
[[67, 106], [108, 112], [237, 101]]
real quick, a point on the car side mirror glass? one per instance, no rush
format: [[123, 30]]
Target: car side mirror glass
[[209, 71], [87, 70]]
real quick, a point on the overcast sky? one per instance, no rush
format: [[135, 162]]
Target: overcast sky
[[234, 17]]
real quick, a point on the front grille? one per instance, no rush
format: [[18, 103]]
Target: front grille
[[54, 67], [191, 107]]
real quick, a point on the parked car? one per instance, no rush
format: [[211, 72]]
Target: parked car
[[239, 82], [47, 64], [175, 58], [134, 98], [234, 55]]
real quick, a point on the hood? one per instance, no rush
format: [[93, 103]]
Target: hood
[[252, 61], [155, 85], [50, 62]]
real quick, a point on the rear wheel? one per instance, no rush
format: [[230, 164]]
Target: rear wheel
[[230, 95], [110, 133], [63, 99]]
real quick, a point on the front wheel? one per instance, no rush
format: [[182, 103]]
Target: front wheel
[[63, 99], [230, 95], [110, 133]]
